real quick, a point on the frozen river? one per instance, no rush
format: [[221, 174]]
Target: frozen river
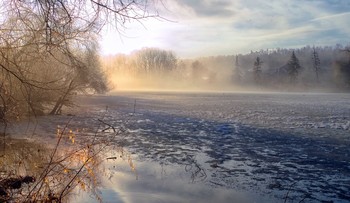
[[225, 147]]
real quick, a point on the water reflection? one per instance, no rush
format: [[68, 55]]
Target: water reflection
[[81, 168], [156, 182], [107, 174], [55, 171]]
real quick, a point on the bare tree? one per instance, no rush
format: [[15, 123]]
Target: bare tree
[[47, 54], [153, 61], [46, 47], [237, 73], [87, 75]]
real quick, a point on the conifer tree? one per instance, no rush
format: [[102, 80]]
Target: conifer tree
[[293, 68], [257, 70], [316, 63]]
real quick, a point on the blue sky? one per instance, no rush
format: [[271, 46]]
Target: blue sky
[[204, 28]]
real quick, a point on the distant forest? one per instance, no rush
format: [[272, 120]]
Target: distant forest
[[303, 69]]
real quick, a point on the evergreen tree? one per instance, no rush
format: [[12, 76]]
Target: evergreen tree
[[293, 67], [316, 63], [342, 71], [257, 70]]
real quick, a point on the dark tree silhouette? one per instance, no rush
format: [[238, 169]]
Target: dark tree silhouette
[[257, 70], [197, 70], [294, 68], [316, 63], [342, 71]]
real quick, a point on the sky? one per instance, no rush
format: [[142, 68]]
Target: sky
[[198, 28]]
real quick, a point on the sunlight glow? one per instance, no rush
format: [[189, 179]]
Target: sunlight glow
[[134, 37]]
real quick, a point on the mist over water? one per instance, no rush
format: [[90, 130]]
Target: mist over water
[[167, 83], [320, 69]]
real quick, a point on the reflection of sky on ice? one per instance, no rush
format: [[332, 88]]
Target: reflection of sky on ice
[[159, 183]]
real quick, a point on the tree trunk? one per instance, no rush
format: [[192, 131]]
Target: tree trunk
[[55, 109], [60, 102]]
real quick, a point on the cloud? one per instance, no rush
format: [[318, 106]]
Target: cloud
[[332, 16], [207, 8], [205, 27]]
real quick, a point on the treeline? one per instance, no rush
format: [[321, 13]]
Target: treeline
[[306, 69], [153, 68], [145, 68]]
